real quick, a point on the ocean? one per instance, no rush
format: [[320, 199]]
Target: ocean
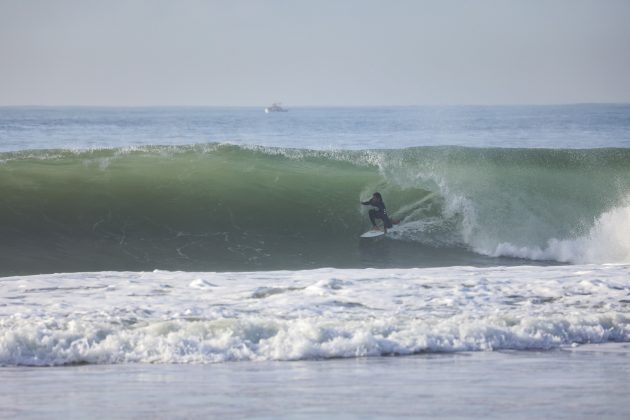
[[141, 247]]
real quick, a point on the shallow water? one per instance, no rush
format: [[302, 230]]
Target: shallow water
[[586, 382]]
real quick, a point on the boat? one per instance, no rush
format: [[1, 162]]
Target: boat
[[275, 107]]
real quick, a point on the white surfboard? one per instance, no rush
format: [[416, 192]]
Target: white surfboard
[[373, 234], [377, 233]]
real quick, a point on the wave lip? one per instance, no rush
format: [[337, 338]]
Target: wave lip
[[165, 317]]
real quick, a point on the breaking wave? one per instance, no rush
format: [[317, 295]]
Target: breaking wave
[[226, 207]]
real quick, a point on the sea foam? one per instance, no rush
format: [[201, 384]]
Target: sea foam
[[179, 317], [608, 241]]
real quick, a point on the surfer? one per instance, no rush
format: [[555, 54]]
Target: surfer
[[379, 212]]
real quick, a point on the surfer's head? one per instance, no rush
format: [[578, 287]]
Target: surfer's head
[[378, 196]]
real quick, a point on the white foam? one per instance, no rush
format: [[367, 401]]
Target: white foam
[[201, 284], [608, 241], [178, 317]]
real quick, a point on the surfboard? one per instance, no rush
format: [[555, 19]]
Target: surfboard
[[373, 234], [377, 233]]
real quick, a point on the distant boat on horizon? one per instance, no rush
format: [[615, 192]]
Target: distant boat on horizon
[[275, 107]]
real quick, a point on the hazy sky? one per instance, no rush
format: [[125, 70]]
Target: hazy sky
[[317, 52]]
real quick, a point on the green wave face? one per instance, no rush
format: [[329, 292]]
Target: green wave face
[[220, 207]]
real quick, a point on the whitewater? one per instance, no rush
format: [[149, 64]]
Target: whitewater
[[218, 249], [184, 317]]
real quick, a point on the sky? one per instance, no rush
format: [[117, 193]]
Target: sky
[[313, 53]]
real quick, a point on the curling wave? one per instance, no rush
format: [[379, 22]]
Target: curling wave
[[225, 207]]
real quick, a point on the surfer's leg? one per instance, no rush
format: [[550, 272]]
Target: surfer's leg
[[373, 214]]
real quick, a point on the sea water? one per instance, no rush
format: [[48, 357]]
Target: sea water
[[151, 245]]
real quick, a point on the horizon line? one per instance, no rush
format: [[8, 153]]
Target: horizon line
[[586, 103]]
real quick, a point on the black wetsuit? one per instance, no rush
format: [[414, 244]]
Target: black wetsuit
[[378, 213]]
